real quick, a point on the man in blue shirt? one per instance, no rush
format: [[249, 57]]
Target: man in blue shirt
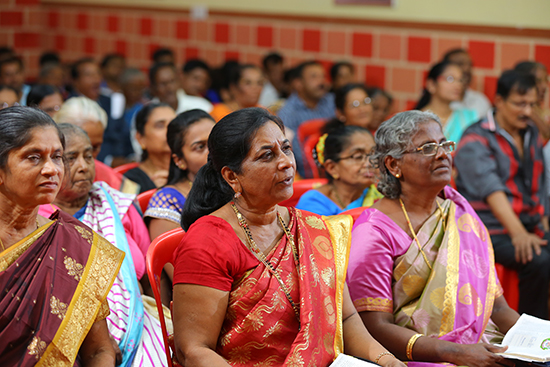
[[310, 100]]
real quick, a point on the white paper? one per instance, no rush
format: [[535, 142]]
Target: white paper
[[343, 360], [528, 340]]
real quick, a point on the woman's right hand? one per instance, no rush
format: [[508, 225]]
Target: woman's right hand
[[480, 355]]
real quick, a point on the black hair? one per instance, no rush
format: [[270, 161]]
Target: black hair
[[142, 116], [272, 58], [153, 71], [228, 145], [110, 57], [12, 60], [193, 64], [16, 126], [455, 51], [336, 67], [301, 67], [175, 135], [75, 67], [236, 74], [6, 51], [375, 92], [515, 81], [529, 67], [435, 72], [340, 97], [38, 92], [337, 141], [160, 52], [220, 76], [49, 57]]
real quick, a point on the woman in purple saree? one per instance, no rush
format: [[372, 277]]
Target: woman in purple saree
[[421, 270]]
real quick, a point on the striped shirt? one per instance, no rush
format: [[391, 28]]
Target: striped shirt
[[487, 161]]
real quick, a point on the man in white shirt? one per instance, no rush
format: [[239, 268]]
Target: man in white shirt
[[274, 73], [471, 99]]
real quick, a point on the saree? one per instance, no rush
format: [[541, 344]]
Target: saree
[[54, 286], [261, 327], [451, 298], [167, 203]]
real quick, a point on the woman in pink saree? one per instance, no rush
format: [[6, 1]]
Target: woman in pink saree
[[421, 270]]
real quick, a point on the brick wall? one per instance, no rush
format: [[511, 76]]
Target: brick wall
[[395, 58]]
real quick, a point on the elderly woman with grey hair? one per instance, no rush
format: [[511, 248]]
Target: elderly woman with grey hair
[[421, 270]]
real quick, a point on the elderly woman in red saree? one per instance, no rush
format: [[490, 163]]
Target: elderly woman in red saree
[[421, 271], [55, 273], [257, 283]]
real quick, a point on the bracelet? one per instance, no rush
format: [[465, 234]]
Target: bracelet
[[410, 345], [382, 355]]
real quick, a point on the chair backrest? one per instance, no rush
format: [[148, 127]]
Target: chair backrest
[[144, 198], [308, 128], [126, 167], [300, 187], [355, 212], [161, 252], [310, 166]]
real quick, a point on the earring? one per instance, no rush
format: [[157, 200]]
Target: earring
[[336, 177], [237, 195], [397, 175]]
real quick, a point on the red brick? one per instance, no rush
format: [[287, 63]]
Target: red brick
[[11, 18], [146, 26], [232, 55], [113, 23], [375, 76], [264, 36], [26, 40], [362, 44], [121, 47], [191, 53], [182, 29], [89, 45], [82, 21], [60, 42], [482, 53], [221, 33], [311, 39], [542, 55], [490, 87], [53, 19], [419, 49]]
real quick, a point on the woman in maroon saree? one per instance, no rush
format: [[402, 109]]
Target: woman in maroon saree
[[55, 273]]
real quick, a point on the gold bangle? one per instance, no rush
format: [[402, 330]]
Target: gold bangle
[[382, 355], [410, 345]]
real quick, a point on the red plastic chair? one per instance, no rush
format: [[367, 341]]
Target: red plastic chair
[[308, 128], [126, 167], [355, 212], [144, 198], [510, 284], [161, 252], [300, 187], [310, 166]]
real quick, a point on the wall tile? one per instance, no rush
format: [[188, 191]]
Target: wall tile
[[121, 47], [35, 18], [53, 19], [253, 58], [242, 35], [96, 22], [511, 53], [311, 40], [490, 87], [200, 31], [542, 54], [60, 42], [419, 49], [361, 44], [27, 2], [483, 54], [232, 55], [336, 42], [11, 18], [165, 30], [89, 45], [446, 44], [129, 25], [390, 46], [264, 36], [146, 26], [182, 29], [404, 80], [375, 76], [26, 40], [288, 38], [191, 53], [82, 21], [221, 33], [113, 23]]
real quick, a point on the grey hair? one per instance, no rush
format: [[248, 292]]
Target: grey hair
[[78, 110], [130, 74], [70, 130], [394, 138]]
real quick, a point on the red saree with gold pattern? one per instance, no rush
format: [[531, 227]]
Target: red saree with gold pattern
[[54, 285], [261, 327]]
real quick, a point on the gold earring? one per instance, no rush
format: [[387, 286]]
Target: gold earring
[[397, 175], [336, 177], [237, 195]]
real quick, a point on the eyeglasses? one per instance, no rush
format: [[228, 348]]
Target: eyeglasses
[[358, 103], [451, 79], [6, 105], [430, 149], [357, 158], [522, 105], [55, 108]]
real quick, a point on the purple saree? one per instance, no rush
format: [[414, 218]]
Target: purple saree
[[54, 285], [453, 300]]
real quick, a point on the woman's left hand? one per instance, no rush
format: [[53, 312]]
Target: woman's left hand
[[391, 361]]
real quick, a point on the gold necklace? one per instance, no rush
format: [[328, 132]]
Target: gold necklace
[[2, 243], [337, 197], [414, 234], [261, 257]]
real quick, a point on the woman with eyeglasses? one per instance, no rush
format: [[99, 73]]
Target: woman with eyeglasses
[[421, 269], [353, 108], [445, 84], [343, 154]]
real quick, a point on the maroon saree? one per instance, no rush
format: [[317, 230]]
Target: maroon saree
[[54, 285]]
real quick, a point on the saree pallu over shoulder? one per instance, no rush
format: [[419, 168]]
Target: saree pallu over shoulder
[[54, 286], [261, 327]]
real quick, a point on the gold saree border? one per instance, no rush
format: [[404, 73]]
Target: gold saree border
[[12, 253], [102, 266], [492, 289], [339, 227], [451, 283]]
